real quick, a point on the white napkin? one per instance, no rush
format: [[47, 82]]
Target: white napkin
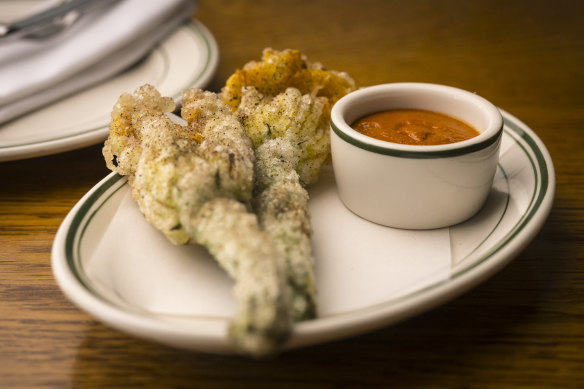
[[100, 45]]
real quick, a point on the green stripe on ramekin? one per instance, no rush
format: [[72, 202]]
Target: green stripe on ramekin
[[418, 154]]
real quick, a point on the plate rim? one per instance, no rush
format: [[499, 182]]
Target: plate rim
[[97, 134], [327, 328]]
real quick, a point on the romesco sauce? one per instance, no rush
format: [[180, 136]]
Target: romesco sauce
[[414, 127]]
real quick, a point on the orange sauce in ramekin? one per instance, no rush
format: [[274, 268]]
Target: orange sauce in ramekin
[[414, 127]]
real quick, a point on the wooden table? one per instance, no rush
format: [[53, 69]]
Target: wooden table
[[523, 328]]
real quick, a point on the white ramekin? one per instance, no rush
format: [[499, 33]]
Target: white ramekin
[[410, 186]]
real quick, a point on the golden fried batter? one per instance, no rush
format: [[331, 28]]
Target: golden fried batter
[[193, 182], [279, 70], [256, 145], [284, 104]]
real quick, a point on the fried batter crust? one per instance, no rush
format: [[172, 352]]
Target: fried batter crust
[[256, 146], [284, 102], [279, 70], [193, 182]]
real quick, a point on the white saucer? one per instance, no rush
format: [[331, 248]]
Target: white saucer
[[114, 265], [186, 59]]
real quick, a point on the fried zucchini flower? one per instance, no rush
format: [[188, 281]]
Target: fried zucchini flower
[[194, 182], [284, 103]]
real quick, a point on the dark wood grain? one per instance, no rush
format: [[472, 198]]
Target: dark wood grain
[[523, 328]]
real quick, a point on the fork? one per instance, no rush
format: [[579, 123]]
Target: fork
[[50, 21]]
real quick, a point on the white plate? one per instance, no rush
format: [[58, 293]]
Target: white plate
[[186, 59], [115, 266]]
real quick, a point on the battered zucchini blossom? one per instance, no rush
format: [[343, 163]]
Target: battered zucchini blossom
[[231, 175], [193, 181], [284, 103]]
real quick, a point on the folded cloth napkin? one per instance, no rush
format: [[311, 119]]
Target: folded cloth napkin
[[104, 42]]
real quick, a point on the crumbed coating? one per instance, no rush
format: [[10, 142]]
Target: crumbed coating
[[175, 169], [123, 146], [255, 147], [193, 182], [233, 236], [279, 70], [286, 95], [281, 203], [302, 120], [284, 103]]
